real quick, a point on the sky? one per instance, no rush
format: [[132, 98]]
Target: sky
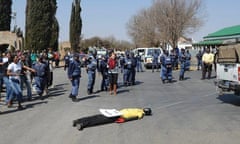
[[105, 18]]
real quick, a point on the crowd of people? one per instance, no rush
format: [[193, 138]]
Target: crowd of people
[[19, 69], [34, 70]]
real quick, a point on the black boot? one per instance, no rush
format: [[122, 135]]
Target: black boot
[[20, 106]]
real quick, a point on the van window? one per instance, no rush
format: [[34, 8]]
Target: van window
[[151, 51]]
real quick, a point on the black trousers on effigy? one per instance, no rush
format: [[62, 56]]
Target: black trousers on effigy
[[94, 120]]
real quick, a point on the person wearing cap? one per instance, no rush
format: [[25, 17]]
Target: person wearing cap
[[124, 115], [74, 75]]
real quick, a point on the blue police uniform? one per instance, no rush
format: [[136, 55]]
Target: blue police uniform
[[74, 73], [188, 61], [166, 68], [199, 60], [104, 72], [155, 61], [139, 63], [66, 61], [182, 60], [91, 70], [127, 70], [133, 69]]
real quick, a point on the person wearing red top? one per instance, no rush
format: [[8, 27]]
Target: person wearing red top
[[113, 73]]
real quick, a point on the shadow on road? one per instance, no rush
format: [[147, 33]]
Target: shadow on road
[[25, 106], [230, 99], [87, 97]]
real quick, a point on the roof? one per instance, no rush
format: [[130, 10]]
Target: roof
[[209, 42], [228, 31]]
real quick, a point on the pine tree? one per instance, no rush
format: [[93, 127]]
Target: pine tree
[[39, 19], [5, 15], [75, 25], [55, 28]]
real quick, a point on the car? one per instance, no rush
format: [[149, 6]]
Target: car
[[147, 57]]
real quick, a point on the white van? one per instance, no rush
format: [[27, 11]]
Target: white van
[[140, 51], [148, 56]]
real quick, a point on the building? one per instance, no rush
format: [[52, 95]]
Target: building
[[225, 36], [10, 40]]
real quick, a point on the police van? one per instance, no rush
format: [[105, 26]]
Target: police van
[[148, 56]]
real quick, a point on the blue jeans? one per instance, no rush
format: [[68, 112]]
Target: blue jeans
[[16, 90], [182, 69], [139, 66], [24, 80], [40, 84], [9, 91], [75, 86], [91, 80]]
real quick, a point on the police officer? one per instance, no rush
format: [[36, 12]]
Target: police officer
[[66, 60], [188, 60], [155, 56], [166, 67], [127, 69], [133, 68], [91, 71], [74, 75], [103, 69], [139, 63], [199, 59], [182, 60]]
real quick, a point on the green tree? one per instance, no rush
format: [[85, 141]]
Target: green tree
[[5, 15], [39, 20], [55, 27], [75, 25]]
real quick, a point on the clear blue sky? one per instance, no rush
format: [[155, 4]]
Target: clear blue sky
[[106, 18]]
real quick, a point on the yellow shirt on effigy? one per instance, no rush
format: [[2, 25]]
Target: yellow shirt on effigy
[[132, 113], [208, 58]]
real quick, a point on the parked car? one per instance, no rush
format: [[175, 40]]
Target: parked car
[[147, 56]]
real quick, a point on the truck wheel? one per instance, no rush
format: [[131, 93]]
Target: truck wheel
[[219, 91]]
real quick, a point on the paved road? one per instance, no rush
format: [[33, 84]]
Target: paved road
[[184, 112]]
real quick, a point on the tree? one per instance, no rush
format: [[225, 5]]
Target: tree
[[141, 29], [5, 15], [55, 27], [39, 20], [75, 25], [165, 22], [176, 18]]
